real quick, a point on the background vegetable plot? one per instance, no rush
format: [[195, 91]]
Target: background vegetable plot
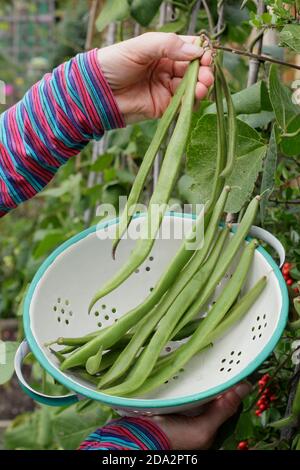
[[68, 206]]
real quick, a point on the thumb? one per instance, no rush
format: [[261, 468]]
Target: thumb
[[153, 46], [224, 407]]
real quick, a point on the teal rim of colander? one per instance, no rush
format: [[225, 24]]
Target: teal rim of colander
[[140, 403]]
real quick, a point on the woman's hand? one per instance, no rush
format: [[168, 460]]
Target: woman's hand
[[144, 72], [198, 432]]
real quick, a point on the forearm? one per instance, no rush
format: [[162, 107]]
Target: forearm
[[127, 434], [53, 122]]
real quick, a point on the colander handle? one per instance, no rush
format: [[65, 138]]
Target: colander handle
[[269, 238], [61, 400]]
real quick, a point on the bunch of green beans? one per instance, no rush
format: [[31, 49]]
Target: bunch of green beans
[[166, 181], [126, 358]]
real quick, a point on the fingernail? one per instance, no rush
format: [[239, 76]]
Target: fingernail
[[243, 389], [191, 50]]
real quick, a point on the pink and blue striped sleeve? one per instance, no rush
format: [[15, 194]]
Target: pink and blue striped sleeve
[[54, 121], [127, 434]]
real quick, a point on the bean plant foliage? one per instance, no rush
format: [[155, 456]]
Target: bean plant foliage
[[266, 162]]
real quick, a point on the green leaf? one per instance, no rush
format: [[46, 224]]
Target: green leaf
[[290, 37], [67, 187], [30, 431], [144, 12], [49, 241], [7, 356], [113, 10], [280, 95], [102, 162], [251, 100], [201, 154], [267, 18], [174, 26], [290, 145], [71, 428], [258, 120], [125, 176], [268, 178], [243, 178]]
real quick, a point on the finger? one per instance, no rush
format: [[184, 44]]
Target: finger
[[206, 59], [174, 84], [206, 76], [188, 38], [154, 46], [201, 91], [179, 68], [222, 409]]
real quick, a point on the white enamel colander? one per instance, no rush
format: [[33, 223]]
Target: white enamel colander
[[57, 305]]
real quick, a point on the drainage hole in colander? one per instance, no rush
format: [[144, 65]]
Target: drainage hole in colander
[[106, 317], [58, 319], [175, 377], [229, 370], [237, 362], [168, 349], [253, 328], [54, 308], [181, 370], [230, 362], [148, 268], [259, 327], [59, 300], [239, 353], [257, 318], [264, 316], [96, 314], [70, 313], [222, 368], [260, 335], [66, 322], [99, 324], [166, 382], [151, 258], [137, 271], [151, 289], [103, 307], [232, 353], [116, 319], [253, 337], [223, 360], [62, 310], [113, 310]]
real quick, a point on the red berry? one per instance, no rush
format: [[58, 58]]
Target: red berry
[[273, 398], [287, 265], [262, 401], [258, 412], [285, 271], [296, 290], [289, 282], [261, 382], [286, 277], [243, 445], [263, 407]]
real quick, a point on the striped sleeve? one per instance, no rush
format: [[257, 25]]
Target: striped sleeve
[[127, 434], [53, 122]]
